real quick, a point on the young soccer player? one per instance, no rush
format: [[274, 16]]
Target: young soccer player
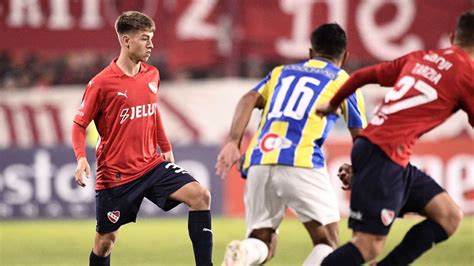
[[122, 101], [284, 163], [429, 86]]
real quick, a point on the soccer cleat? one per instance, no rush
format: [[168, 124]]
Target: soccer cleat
[[235, 254]]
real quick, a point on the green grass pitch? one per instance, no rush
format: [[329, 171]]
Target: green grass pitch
[[165, 242]]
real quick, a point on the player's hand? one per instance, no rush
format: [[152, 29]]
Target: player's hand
[[325, 109], [168, 156], [82, 170], [229, 155], [345, 175]]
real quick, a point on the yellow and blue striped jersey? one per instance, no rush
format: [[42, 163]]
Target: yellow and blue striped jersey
[[290, 133]]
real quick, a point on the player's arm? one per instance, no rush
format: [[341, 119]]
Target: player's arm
[[79, 146], [230, 153], [88, 109], [353, 110], [243, 111], [162, 139], [358, 79], [384, 74], [256, 98]]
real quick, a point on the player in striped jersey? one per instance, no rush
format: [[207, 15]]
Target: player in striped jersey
[[284, 163]]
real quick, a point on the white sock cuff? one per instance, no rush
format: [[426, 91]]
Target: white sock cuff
[[256, 249], [318, 254]]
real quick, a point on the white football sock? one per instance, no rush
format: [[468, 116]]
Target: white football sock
[[317, 255], [257, 250]]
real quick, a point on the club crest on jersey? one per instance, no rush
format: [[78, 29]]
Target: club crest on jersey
[[272, 141], [113, 216], [387, 216], [153, 87]]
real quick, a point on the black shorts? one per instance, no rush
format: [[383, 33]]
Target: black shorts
[[383, 190], [119, 205]]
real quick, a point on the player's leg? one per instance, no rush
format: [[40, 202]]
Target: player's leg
[[264, 211], [103, 244], [363, 247], [258, 248], [443, 218], [114, 208], [310, 194], [444, 211], [198, 200], [325, 239], [378, 189], [172, 186]]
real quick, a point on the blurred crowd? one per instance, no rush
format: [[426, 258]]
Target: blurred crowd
[[20, 70]]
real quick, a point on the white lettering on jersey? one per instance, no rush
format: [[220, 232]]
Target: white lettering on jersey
[[427, 72], [441, 62], [138, 111]]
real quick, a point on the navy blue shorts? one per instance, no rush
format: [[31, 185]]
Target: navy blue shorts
[[383, 190], [119, 205]]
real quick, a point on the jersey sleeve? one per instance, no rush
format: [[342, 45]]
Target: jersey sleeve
[[353, 110], [263, 87], [385, 74], [78, 140], [388, 72], [266, 86], [162, 139], [90, 105]]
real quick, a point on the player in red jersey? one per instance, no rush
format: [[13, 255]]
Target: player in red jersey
[[122, 101], [429, 86]]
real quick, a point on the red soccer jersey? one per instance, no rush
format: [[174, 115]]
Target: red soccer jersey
[[125, 112], [429, 86]]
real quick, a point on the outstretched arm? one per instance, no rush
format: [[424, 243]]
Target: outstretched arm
[[230, 153], [385, 74], [360, 78]]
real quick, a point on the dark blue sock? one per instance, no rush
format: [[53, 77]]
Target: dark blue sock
[[346, 255], [95, 260], [199, 227], [420, 238]]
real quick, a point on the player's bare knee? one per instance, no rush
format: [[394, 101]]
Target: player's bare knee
[[206, 199], [452, 221], [202, 200], [104, 247]]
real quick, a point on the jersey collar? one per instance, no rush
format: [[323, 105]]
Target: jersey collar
[[461, 52], [119, 72]]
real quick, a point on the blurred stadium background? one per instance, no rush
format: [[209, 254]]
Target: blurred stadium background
[[209, 53]]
